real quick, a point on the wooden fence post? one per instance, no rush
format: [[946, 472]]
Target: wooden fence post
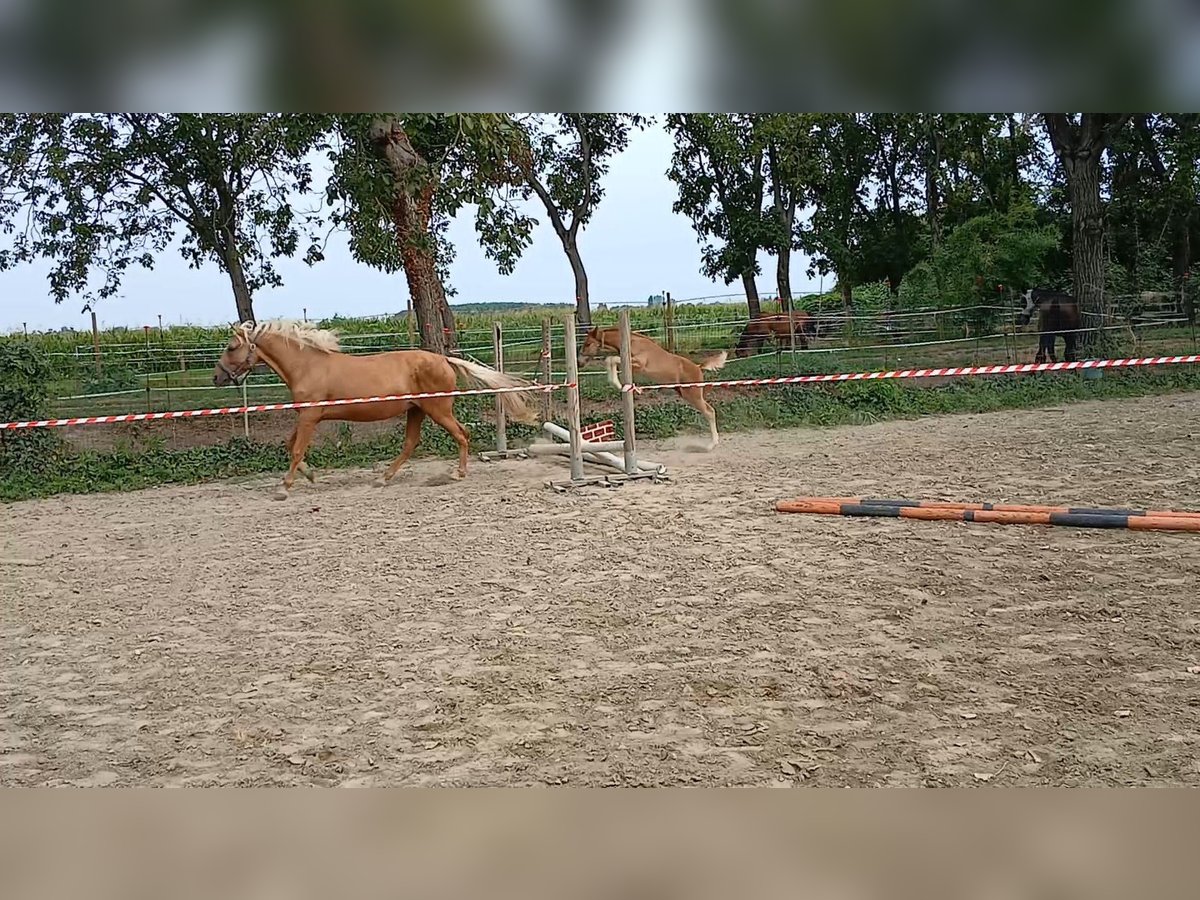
[[669, 320], [573, 416], [95, 342], [631, 466], [547, 372], [498, 359]]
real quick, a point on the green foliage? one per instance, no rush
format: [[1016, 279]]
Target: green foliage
[[97, 193], [460, 159], [569, 158], [981, 256], [718, 168], [111, 377], [843, 159], [24, 379]]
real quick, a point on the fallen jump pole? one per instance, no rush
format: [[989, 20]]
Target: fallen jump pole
[[1136, 520], [1003, 507]]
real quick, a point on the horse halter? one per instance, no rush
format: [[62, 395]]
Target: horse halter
[[238, 375]]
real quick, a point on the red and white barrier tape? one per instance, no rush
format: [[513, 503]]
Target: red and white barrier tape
[[1011, 369], [272, 407], [952, 371]]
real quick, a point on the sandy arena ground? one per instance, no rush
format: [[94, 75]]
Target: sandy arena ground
[[492, 632]]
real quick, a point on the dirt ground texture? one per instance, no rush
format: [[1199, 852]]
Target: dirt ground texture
[[493, 632]]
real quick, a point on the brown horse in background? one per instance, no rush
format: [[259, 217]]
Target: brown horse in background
[[312, 365], [663, 366], [756, 332], [1058, 314]]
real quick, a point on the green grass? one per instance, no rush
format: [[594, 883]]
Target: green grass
[[60, 469]]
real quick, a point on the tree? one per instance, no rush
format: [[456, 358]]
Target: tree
[[891, 236], [397, 181], [790, 173], [570, 155], [843, 159], [718, 167], [1079, 143], [96, 194], [1154, 215]]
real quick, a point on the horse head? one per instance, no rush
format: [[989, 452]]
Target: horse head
[[240, 356], [593, 345], [1031, 305]]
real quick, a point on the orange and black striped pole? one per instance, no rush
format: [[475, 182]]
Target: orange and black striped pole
[[996, 513]]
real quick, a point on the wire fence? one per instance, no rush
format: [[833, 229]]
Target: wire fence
[[157, 376]]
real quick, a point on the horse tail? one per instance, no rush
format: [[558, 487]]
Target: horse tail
[[514, 404], [714, 362]]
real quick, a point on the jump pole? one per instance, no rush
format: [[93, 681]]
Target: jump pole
[[501, 451], [996, 514]]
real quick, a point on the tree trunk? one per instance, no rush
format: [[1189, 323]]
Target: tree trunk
[[1087, 246], [232, 258], [932, 200], [583, 308], [783, 279], [412, 210], [847, 291], [784, 202], [751, 294], [1080, 148], [226, 237]]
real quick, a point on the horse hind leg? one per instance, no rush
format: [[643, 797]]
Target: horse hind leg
[[1045, 349], [1071, 348], [694, 397], [441, 410], [412, 437]]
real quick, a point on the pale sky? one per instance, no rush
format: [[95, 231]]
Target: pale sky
[[635, 246]]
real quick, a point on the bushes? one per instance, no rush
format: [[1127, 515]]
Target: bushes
[[1009, 249], [24, 386]]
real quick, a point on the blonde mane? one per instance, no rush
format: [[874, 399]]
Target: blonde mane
[[305, 334]]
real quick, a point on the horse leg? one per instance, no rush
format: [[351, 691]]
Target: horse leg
[[612, 363], [412, 437], [694, 397], [441, 410], [301, 437], [1069, 338], [1044, 340], [303, 468]]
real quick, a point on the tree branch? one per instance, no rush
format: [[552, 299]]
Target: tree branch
[[585, 150]]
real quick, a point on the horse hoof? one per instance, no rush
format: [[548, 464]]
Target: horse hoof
[[310, 475], [381, 482], [457, 476]]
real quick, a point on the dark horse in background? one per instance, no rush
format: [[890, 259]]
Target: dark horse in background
[[755, 334], [1058, 314]]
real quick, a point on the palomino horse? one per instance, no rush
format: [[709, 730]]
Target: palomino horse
[[309, 360], [756, 332], [664, 367], [1058, 313]]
